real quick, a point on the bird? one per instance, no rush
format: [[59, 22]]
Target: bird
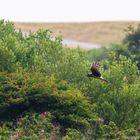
[[96, 73]]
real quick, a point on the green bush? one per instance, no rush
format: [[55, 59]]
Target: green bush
[[7, 60], [38, 75], [132, 39], [72, 134], [36, 126], [97, 54], [20, 92], [120, 101], [111, 131]]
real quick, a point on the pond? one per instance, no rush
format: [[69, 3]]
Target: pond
[[85, 45]]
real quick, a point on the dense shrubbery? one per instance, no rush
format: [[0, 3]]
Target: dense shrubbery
[[45, 94], [119, 103], [132, 40], [35, 92]]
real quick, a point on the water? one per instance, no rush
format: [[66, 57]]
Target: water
[[84, 45], [74, 43]]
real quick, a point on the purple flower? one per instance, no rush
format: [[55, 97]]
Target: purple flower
[[44, 114], [18, 134], [42, 130], [138, 129]]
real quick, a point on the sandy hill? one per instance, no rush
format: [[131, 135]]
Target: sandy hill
[[94, 32]]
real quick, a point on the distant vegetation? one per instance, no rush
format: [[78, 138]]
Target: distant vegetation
[[46, 95]]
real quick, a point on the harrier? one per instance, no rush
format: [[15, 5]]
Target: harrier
[[95, 72]]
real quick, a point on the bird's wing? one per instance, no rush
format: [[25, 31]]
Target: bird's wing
[[95, 70]]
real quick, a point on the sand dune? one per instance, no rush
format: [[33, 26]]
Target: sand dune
[[95, 32]]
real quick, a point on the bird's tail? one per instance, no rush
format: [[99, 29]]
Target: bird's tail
[[101, 78]]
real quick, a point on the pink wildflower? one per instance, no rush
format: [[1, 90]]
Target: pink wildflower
[[138, 129], [18, 134], [44, 114], [42, 130]]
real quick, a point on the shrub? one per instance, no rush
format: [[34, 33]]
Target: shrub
[[120, 101], [111, 131], [72, 134], [97, 54], [132, 40], [20, 92], [36, 126], [7, 60], [38, 75]]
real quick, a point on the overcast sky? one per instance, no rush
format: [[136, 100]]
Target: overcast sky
[[69, 10]]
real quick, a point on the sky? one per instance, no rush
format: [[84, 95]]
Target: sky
[[69, 10]]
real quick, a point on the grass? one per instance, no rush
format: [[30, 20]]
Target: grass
[[94, 32]]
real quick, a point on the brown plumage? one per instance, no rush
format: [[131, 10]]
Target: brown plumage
[[95, 72]]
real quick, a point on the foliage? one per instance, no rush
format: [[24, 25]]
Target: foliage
[[132, 40], [119, 100], [111, 131], [36, 92], [45, 93], [97, 54], [36, 126], [7, 59], [72, 134]]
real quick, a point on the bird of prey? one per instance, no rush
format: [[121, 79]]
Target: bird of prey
[[95, 72]]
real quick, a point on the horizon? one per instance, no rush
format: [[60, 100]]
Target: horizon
[[74, 22]]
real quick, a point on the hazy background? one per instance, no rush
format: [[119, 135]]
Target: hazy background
[[88, 23], [69, 10]]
